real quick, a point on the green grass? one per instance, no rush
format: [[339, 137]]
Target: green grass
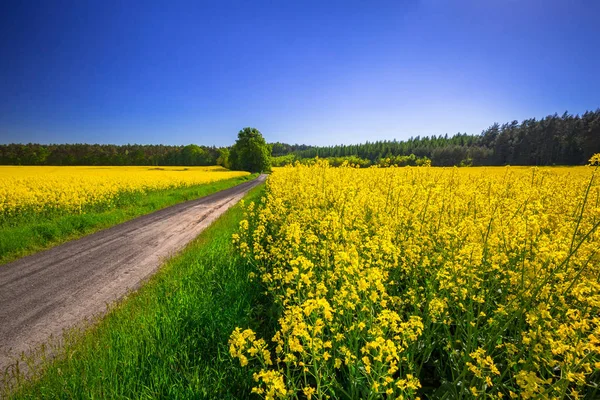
[[169, 339], [28, 234]]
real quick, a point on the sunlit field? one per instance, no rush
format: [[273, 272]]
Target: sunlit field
[[426, 282], [44, 206], [43, 190]]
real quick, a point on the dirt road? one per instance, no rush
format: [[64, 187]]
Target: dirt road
[[42, 294]]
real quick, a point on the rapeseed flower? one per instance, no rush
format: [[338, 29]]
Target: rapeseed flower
[[397, 282]]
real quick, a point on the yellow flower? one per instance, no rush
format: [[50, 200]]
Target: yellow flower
[[65, 190], [309, 391], [492, 271]]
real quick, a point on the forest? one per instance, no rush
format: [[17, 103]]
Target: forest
[[110, 154], [554, 140]]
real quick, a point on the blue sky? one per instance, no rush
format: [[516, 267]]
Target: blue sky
[[314, 72]]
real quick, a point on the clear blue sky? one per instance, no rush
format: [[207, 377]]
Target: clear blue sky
[[322, 72]]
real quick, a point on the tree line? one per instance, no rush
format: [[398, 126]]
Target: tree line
[[249, 153], [554, 140], [109, 154]]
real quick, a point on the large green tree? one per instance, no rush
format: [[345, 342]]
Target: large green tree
[[193, 155], [223, 159], [250, 152]]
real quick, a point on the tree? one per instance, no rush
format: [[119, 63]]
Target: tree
[[223, 159], [192, 155], [250, 152]]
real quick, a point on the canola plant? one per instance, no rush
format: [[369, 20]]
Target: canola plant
[[426, 282]]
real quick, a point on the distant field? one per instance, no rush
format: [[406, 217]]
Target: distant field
[[41, 206], [52, 190]]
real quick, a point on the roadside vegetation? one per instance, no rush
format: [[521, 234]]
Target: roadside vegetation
[[41, 207], [169, 339]]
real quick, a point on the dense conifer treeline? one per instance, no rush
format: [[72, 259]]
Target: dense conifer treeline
[[554, 140]]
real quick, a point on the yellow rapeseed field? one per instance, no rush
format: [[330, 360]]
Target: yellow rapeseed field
[[433, 282], [73, 189]]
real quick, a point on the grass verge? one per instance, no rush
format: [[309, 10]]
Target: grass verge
[[23, 237], [169, 339]]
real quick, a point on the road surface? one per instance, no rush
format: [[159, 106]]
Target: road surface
[[45, 293]]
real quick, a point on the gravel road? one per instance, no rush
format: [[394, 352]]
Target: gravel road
[[42, 294]]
